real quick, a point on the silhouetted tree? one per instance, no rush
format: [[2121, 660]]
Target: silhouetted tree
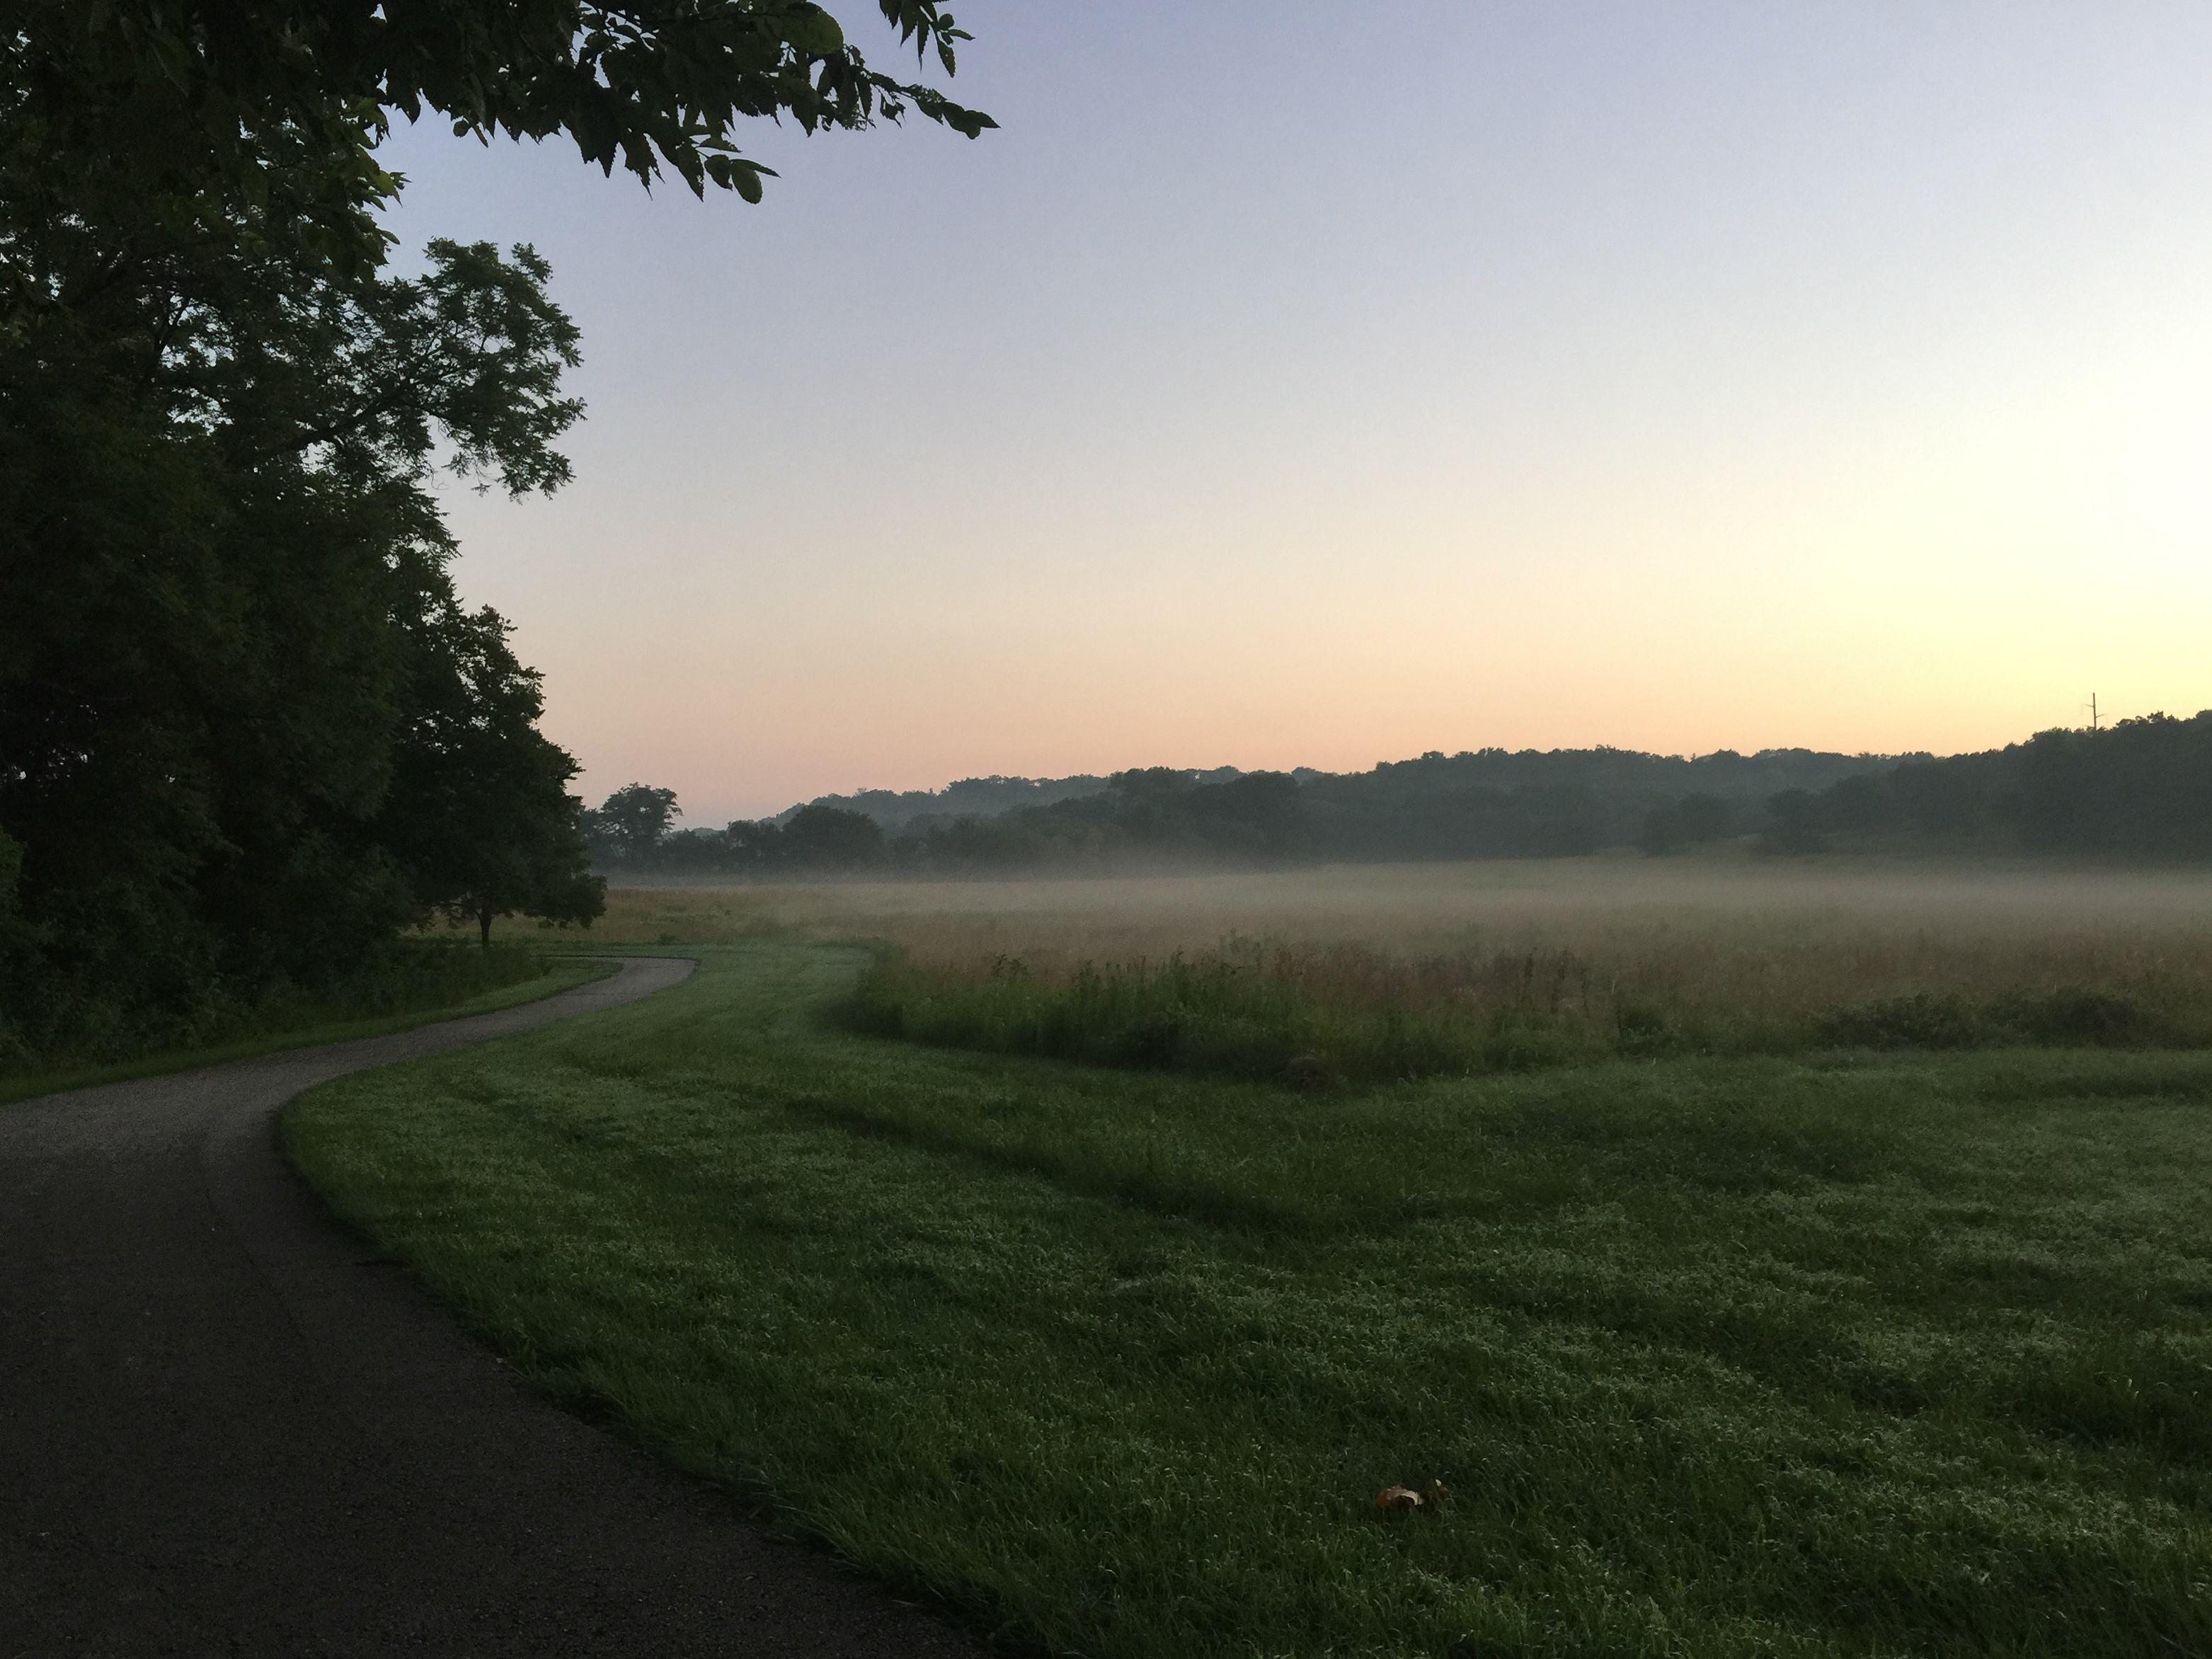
[[629, 825], [827, 838], [2142, 786], [221, 568], [217, 421], [479, 815]]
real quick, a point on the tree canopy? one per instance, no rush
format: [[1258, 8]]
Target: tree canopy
[[2142, 788], [207, 108], [247, 730], [631, 823]]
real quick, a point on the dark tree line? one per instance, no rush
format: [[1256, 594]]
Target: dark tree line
[[633, 833], [2140, 789], [1492, 805], [1488, 804], [248, 733], [2143, 788], [1156, 812]]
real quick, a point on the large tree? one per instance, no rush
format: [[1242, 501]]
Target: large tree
[[247, 730], [225, 611], [629, 825], [479, 814]]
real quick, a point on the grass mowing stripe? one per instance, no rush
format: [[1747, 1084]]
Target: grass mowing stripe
[[1717, 1357]]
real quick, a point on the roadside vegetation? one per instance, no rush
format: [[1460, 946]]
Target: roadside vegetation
[[412, 985], [1854, 1352]]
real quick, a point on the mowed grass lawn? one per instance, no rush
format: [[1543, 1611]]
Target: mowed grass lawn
[[1853, 1355]]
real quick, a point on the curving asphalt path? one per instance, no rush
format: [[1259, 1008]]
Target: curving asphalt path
[[226, 1427]]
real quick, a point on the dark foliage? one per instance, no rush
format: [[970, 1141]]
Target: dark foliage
[[1490, 804], [205, 108], [630, 826], [479, 814], [1694, 820], [911, 810], [1794, 823], [2142, 788], [247, 732], [1493, 804], [823, 838], [632, 833]]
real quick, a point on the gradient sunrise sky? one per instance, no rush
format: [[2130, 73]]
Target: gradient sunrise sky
[[1291, 384]]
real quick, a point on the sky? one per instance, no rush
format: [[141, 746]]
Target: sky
[[1296, 384]]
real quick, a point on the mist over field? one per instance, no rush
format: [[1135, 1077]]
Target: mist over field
[[1407, 902], [2057, 889], [1719, 951]]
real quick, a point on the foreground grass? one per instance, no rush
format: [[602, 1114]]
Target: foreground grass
[[313, 1023], [1855, 1356]]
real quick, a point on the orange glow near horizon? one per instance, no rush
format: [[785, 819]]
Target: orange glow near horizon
[[1719, 379]]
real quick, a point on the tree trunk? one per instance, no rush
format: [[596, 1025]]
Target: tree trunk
[[484, 925]]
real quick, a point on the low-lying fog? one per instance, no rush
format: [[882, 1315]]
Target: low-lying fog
[[1418, 907]]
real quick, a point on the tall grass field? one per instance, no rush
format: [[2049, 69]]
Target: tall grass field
[[1382, 972], [1841, 1351]]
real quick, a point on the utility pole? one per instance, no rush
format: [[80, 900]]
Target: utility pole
[[2093, 711]]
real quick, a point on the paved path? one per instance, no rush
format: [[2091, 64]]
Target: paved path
[[226, 1428]]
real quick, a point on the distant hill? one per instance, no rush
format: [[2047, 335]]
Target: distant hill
[[969, 798], [1489, 803], [2140, 788], [1623, 773], [1498, 803]]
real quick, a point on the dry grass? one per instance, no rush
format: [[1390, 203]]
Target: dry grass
[[1784, 938]]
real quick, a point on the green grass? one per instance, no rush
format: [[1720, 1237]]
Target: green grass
[[311, 1025], [1316, 1016], [1856, 1354]]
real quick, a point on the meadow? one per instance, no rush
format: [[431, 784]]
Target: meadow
[[1391, 971], [1843, 1351]]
